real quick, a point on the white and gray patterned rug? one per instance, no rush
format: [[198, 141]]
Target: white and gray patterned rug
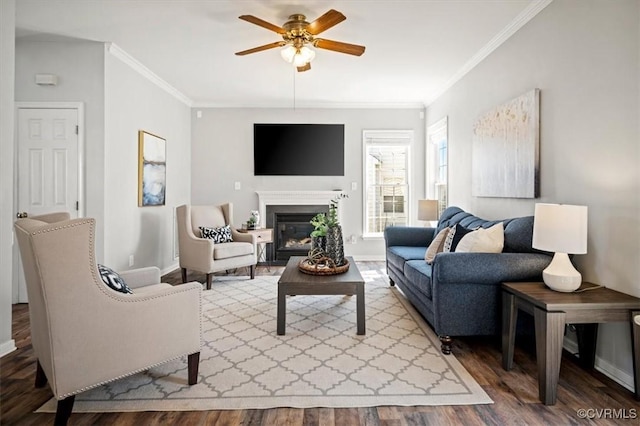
[[320, 362]]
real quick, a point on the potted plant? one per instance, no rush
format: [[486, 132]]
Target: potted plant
[[335, 244], [319, 233]]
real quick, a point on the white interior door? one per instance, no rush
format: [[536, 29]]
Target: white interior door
[[48, 168]]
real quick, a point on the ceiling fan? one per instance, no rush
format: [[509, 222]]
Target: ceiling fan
[[297, 34]]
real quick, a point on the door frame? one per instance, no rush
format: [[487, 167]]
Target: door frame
[[79, 107]]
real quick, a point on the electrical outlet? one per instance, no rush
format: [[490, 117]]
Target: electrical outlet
[[131, 260], [354, 186], [237, 186], [354, 239]]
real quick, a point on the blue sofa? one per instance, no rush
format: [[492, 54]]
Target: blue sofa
[[459, 293]]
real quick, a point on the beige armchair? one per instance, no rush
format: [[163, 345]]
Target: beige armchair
[[202, 254], [85, 334]]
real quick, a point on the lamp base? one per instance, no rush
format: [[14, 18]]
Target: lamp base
[[561, 275]]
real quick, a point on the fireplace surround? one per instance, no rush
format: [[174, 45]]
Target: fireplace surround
[[289, 213]]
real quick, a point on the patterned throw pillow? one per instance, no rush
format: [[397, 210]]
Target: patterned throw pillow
[[436, 246], [454, 237], [221, 234], [113, 280]]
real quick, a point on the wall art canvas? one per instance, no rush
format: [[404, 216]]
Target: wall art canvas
[[152, 169], [505, 149]]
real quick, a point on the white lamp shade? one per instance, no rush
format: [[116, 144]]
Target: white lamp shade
[[427, 209], [288, 53], [560, 228]]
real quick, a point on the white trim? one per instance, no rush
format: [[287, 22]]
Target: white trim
[[269, 198], [7, 347], [316, 105], [525, 16], [368, 257], [172, 267], [117, 52], [603, 366]]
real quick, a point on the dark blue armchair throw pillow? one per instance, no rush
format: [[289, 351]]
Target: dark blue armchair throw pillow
[[113, 280]]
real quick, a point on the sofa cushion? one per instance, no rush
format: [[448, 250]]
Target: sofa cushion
[[113, 280], [220, 234], [483, 240], [398, 255], [436, 246], [233, 249], [210, 216], [418, 273]]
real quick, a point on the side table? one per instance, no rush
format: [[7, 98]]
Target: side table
[[264, 236], [551, 311]]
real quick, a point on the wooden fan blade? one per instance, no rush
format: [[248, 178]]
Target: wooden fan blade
[[304, 68], [326, 21], [338, 46], [262, 23], [261, 48]]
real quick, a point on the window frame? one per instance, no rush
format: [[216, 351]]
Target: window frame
[[404, 138], [435, 188]]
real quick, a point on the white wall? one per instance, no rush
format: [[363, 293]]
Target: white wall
[[584, 57], [133, 103], [222, 153], [7, 53], [79, 66]]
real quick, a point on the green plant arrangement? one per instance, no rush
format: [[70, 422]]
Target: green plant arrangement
[[319, 223]]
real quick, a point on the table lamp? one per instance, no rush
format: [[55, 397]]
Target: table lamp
[[562, 229], [428, 210]]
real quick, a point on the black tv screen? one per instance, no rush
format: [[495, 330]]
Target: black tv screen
[[298, 149]]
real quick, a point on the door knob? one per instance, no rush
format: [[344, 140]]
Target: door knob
[[22, 215]]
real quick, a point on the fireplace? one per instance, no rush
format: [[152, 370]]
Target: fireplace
[[291, 230]]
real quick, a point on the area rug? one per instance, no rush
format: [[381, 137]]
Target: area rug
[[319, 362]]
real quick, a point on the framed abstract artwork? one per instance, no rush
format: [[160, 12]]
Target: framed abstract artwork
[[506, 149], [152, 169]]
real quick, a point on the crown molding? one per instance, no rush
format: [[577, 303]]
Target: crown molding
[[314, 105], [117, 52], [523, 17]]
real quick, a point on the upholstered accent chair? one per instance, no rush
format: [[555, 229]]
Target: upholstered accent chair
[[85, 334], [203, 254]]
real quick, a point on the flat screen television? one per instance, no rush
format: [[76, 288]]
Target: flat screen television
[[298, 149]]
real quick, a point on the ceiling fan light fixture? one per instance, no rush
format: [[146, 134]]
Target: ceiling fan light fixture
[[303, 56], [288, 52]]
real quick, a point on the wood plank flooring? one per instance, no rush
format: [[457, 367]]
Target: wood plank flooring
[[515, 392]]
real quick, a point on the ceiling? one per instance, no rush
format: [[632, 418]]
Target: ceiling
[[415, 49]]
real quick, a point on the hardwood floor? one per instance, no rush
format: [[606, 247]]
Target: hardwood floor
[[515, 392]]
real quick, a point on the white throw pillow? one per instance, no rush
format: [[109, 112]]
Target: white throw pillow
[[436, 246], [483, 240]]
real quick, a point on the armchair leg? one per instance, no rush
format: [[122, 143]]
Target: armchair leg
[[184, 275], [253, 271], [41, 378], [391, 283], [209, 277], [193, 362], [65, 406]]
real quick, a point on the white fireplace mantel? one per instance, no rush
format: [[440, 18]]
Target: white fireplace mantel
[[271, 198]]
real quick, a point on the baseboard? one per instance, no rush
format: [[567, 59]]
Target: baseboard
[[169, 268], [7, 347], [603, 366]]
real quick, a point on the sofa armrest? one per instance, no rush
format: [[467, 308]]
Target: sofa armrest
[[488, 268], [411, 236], [141, 277]]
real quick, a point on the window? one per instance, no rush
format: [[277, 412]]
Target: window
[[386, 177], [437, 163]]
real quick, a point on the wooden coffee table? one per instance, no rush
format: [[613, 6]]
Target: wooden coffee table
[[294, 282]]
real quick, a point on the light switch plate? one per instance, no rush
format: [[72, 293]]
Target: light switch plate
[[237, 186]]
